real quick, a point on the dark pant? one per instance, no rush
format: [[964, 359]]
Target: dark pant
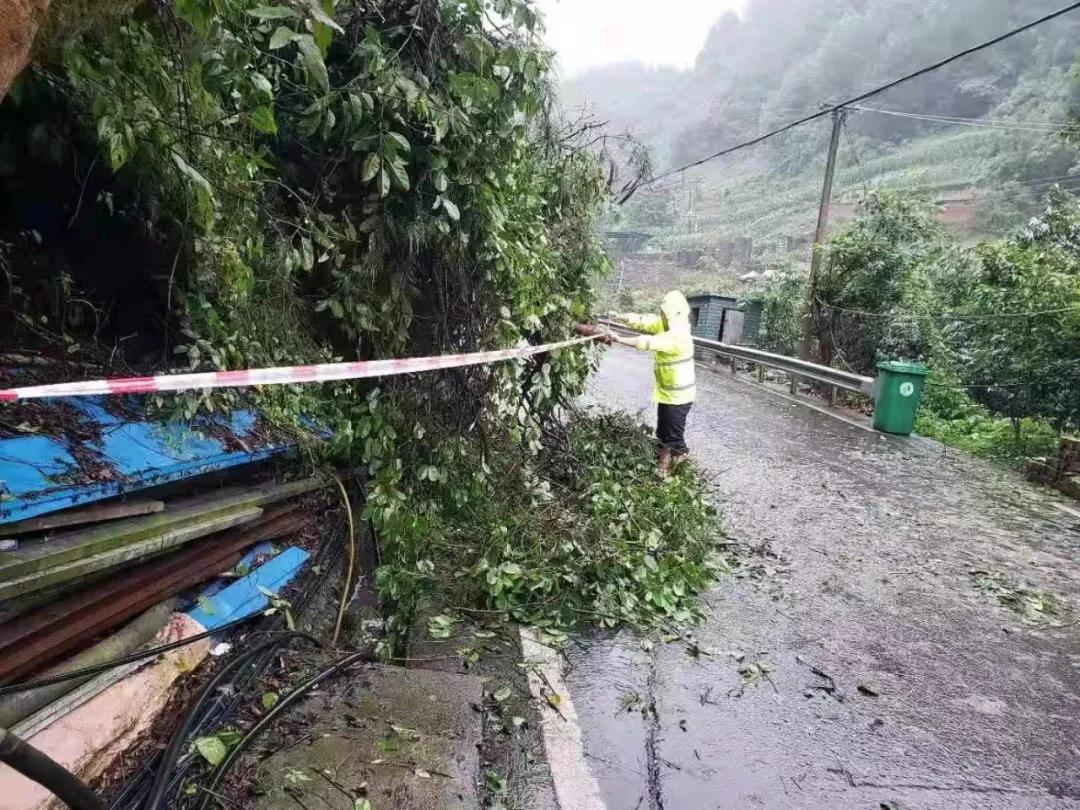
[[671, 426]]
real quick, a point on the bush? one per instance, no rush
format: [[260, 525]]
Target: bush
[[951, 416], [782, 301]]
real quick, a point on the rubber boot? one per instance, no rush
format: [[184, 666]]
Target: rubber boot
[[663, 464]]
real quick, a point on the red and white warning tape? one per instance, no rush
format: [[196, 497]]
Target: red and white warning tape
[[324, 372]]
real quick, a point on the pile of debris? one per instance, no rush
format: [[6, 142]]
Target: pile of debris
[[108, 609], [1061, 471]]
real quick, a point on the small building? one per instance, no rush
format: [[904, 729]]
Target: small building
[[720, 317]]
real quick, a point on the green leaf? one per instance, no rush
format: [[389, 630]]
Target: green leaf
[[400, 140], [270, 699], [282, 37], [401, 176], [362, 804], [356, 107], [371, 167], [318, 13], [384, 182], [369, 224], [212, 749], [262, 118], [271, 12], [451, 209], [262, 84], [313, 62]]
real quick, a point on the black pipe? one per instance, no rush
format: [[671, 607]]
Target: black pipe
[[172, 752], [47, 772], [150, 652], [279, 707]]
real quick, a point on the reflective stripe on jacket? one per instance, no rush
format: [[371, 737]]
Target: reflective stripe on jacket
[[669, 338]]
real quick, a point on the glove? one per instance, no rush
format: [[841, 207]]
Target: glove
[[607, 338]]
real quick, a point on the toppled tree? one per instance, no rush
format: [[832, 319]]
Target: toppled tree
[[366, 180]]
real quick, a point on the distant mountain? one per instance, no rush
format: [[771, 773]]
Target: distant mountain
[[784, 58]]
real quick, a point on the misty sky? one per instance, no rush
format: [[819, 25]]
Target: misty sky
[[588, 33]]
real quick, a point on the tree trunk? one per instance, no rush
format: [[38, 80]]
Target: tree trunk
[[19, 24]]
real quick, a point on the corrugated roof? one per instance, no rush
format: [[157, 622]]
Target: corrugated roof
[[117, 452]]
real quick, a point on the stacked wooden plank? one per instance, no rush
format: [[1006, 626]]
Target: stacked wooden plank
[[111, 572], [71, 556]]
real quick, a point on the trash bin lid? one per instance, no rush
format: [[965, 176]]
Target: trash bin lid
[[903, 368]]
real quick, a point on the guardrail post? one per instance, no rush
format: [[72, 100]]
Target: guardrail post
[[794, 383], [833, 392], [760, 373], [734, 367]]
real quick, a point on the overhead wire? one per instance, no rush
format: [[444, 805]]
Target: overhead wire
[[994, 123], [829, 109], [950, 316]]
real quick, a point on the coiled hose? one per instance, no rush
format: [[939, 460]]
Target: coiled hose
[[47, 772], [279, 707], [172, 751]]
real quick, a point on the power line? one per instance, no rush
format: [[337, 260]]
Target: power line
[[949, 316], [1047, 128], [828, 110], [1065, 178]]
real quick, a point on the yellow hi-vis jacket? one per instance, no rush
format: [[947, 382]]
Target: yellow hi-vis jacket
[[670, 339]]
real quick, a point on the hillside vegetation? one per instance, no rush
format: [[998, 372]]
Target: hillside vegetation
[[785, 58]]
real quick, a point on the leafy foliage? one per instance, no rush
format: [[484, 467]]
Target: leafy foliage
[[1029, 364], [363, 180], [871, 270], [583, 532], [997, 323], [783, 303], [951, 416]]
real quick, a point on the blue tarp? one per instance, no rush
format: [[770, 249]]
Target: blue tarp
[[248, 594], [39, 474]]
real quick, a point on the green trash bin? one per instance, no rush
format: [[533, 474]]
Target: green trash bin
[[897, 392]]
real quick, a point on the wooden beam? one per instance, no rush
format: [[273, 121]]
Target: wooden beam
[[77, 517]]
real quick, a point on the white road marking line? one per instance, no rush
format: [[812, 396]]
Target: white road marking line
[[575, 786]]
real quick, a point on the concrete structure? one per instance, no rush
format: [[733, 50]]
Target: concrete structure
[[405, 738], [720, 317]]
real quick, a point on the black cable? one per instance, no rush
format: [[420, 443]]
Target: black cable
[[47, 772], [225, 706], [172, 751], [26, 686], [279, 707], [856, 99]]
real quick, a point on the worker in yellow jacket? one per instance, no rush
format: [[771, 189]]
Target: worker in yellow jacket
[[668, 337]]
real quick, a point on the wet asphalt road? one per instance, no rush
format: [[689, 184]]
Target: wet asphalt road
[[866, 544]]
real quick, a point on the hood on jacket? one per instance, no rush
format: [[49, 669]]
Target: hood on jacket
[[675, 309]]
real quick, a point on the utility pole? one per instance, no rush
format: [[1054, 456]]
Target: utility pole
[[821, 234]]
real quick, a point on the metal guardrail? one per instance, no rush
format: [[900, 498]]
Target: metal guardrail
[[792, 366]]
